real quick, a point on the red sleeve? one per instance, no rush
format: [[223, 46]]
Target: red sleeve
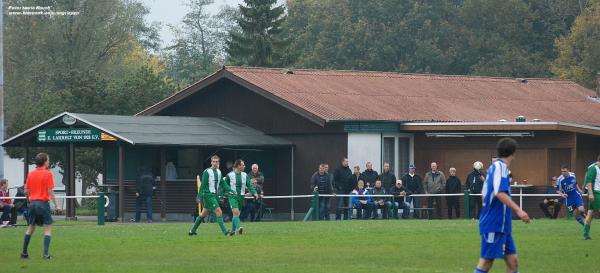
[[27, 184], [50, 180]]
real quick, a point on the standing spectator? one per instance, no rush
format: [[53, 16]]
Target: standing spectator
[[435, 181], [369, 175], [399, 200], [343, 185], [414, 185], [474, 184], [321, 182], [551, 202], [6, 205], [356, 175], [453, 185], [256, 175], [362, 201], [144, 188], [380, 202], [387, 177]]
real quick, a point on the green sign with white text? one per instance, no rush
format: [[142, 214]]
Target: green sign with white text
[[69, 135]]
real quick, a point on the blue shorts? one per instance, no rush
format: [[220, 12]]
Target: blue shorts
[[39, 213], [574, 200], [496, 245]]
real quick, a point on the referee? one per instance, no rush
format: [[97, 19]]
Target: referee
[[39, 190]]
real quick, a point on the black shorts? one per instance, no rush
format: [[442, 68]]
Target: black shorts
[[39, 213]]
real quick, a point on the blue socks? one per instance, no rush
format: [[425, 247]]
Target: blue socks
[[46, 244], [477, 270], [579, 220], [26, 243]]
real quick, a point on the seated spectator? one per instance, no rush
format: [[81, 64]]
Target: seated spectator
[[399, 200], [551, 202], [20, 207], [380, 202], [6, 205], [253, 207], [361, 201]]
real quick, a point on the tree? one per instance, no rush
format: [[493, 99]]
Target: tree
[[579, 51], [259, 41], [199, 47], [80, 63]]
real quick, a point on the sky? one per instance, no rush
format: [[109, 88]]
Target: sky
[[172, 11]]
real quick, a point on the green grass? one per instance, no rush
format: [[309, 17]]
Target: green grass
[[348, 246]]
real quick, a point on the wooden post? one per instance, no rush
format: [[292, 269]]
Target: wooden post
[[121, 183], [71, 191], [163, 184], [25, 163], [574, 153]]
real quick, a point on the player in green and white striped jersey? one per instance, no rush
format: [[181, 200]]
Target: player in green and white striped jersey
[[211, 181], [592, 184], [238, 181]]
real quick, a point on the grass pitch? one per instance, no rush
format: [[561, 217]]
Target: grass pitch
[[334, 246]]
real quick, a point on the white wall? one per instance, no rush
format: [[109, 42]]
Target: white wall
[[363, 147]]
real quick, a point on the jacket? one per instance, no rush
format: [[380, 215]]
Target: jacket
[[341, 179], [395, 191], [380, 191], [144, 185], [314, 182], [453, 185], [434, 183], [414, 184], [387, 179], [474, 182], [361, 195], [369, 176], [353, 180]]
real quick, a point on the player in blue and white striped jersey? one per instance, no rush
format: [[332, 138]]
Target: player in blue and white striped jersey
[[567, 187]]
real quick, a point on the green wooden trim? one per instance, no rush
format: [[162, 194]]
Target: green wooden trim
[[371, 127]]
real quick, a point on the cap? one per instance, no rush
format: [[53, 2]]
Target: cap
[[411, 166]]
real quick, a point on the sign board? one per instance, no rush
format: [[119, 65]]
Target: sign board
[[69, 135]]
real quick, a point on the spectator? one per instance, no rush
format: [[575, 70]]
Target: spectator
[[453, 185], [399, 200], [20, 206], [369, 175], [355, 177], [474, 184], [6, 205], [362, 201], [414, 185], [380, 202], [253, 207], [144, 188], [343, 185], [435, 182], [321, 182], [256, 175], [387, 177], [551, 202]]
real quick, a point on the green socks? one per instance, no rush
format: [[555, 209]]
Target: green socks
[[221, 224], [586, 230], [236, 223], [197, 223]]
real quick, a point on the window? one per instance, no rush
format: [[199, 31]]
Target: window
[[397, 150]]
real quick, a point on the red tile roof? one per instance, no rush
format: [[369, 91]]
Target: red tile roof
[[383, 96]]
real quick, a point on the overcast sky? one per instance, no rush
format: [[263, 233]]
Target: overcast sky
[[172, 11]]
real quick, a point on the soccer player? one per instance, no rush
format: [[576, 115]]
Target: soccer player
[[592, 184], [211, 180], [567, 187], [495, 220], [238, 181], [39, 190]]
